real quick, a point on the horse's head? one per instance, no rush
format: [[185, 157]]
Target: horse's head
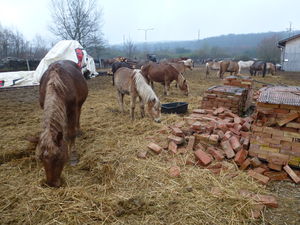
[[153, 108], [53, 152], [183, 84], [188, 63]]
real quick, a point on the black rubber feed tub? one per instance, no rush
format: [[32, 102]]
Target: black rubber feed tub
[[174, 107]]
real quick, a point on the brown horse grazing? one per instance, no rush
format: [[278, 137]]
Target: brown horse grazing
[[228, 66], [271, 68], [133, 83], [63, 90], [165, 74]]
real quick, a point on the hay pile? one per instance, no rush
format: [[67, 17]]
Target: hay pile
[[111, 185]]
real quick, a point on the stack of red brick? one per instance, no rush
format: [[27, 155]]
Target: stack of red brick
[[243, 82], [229, 97], [276, 129], [235, 94]]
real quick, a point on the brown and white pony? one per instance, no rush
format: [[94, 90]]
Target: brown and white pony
[[228, 66], [133, 83], [164, 74], [211, 65], [63, 90]]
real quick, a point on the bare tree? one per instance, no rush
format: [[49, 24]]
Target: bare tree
[[267, 49], [79, 20], [129, 48]]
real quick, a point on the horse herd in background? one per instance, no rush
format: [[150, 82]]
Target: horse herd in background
[[233, 67]]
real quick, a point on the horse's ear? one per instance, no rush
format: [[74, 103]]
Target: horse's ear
[[58, 139], [34, 140]]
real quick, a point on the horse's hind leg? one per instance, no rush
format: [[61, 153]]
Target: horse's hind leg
[[142, 107], [132, 106], [78, 131], [167, 88], [71, 135], [121, 101]]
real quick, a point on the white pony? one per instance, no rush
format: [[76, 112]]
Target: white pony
[[245, 64], [133, 83], [212, 65]]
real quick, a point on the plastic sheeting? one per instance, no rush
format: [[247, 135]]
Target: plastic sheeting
[[63, 50]]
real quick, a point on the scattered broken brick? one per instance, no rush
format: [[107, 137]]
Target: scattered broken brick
[[259, 177], [154, 147], [227, 149], [241, 156], [172, 147], [203, 158], [176, 140], [292, 174], [174, 171]]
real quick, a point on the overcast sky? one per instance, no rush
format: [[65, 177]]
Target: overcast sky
[[170, 19]]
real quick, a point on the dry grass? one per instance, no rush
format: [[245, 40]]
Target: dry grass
[[111, 185]]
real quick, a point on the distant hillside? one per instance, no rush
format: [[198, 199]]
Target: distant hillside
[[233, 44]]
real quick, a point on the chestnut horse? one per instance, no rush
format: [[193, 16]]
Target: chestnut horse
[[164, 74], [228, 66], [63, 90], [133, 83]]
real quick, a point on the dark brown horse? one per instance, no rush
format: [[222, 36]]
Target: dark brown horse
[[228, 66], [258, 66], [164, 74], [63, 90]]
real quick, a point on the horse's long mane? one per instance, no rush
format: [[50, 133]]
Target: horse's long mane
[[54, 117], [144, 90]]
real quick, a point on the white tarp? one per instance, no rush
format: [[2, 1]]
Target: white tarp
[[62, 50]]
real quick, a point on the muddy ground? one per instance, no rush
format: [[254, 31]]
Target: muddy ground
[[111, 185]]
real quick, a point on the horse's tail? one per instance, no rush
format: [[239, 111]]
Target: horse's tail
[[264, 69]]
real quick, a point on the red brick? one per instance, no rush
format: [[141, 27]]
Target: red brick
[[240, 156], [199, 111], [203, 158], [217, 154], [267, 200], [154, 147], [227, 135], [276, 176], [260, 170], [274, 166], [246, 143], [236, 132], [172, 147], [293, 125], [237, 120], [218, 111], [255, 162], [237, 126], [142, 154], [202, 137], [222, 127], [199, 146], [292, 174], [191, 143], [197, 125], [245, 134], [220, 133], [177, 132], [278, 158], [227, 149], [235, 143], [245, 164], [282, 111], [256, 128], [177, 140], [174, 171], [246, 126], [214, 139], [259, 177], [288, 118]]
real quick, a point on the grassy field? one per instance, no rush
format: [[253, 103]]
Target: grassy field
[[111, 185]]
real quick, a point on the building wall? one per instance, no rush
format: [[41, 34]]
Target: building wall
[[291, 55]]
